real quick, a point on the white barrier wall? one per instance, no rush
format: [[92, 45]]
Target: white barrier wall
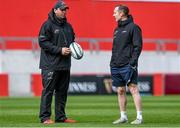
[[20, 84], [91, 63], [152, 62], [20, 62]]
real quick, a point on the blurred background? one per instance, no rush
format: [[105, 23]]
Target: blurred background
[[93, 23]]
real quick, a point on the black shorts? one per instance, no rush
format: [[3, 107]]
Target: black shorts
[[123, 76]]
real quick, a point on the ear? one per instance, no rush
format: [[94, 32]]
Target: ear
[[55, 10], [122, 14]]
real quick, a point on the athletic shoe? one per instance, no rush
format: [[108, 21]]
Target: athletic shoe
[[48, 121], [120, 121], [137, 121]]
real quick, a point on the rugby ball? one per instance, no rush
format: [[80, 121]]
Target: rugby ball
[[76, 50]]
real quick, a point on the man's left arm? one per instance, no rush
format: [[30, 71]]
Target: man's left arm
[[137, 45]]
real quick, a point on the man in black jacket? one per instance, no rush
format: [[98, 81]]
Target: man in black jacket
[[55, 36], [127, 46]]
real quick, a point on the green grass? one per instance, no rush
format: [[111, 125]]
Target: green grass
[[92, 111]]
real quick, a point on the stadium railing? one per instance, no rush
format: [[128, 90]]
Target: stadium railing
[[159, 44]]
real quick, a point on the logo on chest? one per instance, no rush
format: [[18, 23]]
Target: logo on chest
[[56, 31], [124, 31]]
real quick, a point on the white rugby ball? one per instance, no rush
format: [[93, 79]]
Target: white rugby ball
[[76, 50]]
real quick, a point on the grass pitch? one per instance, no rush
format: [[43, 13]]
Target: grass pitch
[[92, 111]]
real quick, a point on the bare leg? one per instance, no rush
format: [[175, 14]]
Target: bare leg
[[122, 100], [138, 104], [136, 96]]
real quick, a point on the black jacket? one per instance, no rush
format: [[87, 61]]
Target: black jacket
[[127, 44], [54, 34]]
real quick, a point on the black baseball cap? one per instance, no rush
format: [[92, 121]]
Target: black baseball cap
[[60, 4]]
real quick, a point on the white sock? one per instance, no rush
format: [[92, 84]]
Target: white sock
[[123, 114], [139, 115]]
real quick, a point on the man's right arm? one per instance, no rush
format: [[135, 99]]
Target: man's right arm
[[45, 43]]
